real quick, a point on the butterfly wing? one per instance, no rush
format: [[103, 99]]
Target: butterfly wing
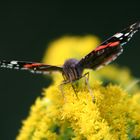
[[33, 67], [109, 50]]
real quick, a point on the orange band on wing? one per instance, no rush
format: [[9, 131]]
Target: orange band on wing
[[32, 65], [111, 44], [114, 43], [101, 47]]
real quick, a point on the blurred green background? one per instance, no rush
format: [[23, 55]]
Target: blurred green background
[[27, 28]]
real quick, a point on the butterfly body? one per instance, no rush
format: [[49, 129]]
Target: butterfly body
[[72, 69]]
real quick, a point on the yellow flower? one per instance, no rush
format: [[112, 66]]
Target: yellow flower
[[135, 115], [55, 117], [113, 115], [69, 47]]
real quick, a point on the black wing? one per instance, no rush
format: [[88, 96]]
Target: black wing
[[109, 50], [33, 67]]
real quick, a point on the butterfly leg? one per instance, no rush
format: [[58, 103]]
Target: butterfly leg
[[63, 83], [67, 82], [86, 76], [61, 88], [74, 89]]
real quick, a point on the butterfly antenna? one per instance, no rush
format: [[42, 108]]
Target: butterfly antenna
[[135, 26], [132, 84]]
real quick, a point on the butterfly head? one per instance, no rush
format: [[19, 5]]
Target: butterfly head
[[125, 35], [72, 71]]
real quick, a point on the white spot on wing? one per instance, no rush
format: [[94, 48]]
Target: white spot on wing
[[107, 62], [123, 43], [99, 67], [114, 58], [128, 39], [13, 62], [118, 35], [126, 34]]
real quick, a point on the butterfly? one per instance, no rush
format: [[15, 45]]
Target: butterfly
[[72, 69]]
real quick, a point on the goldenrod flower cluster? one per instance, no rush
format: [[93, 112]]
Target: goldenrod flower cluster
[[112, 115]]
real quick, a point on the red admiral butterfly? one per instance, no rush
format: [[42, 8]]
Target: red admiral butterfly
[[72, 69]]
